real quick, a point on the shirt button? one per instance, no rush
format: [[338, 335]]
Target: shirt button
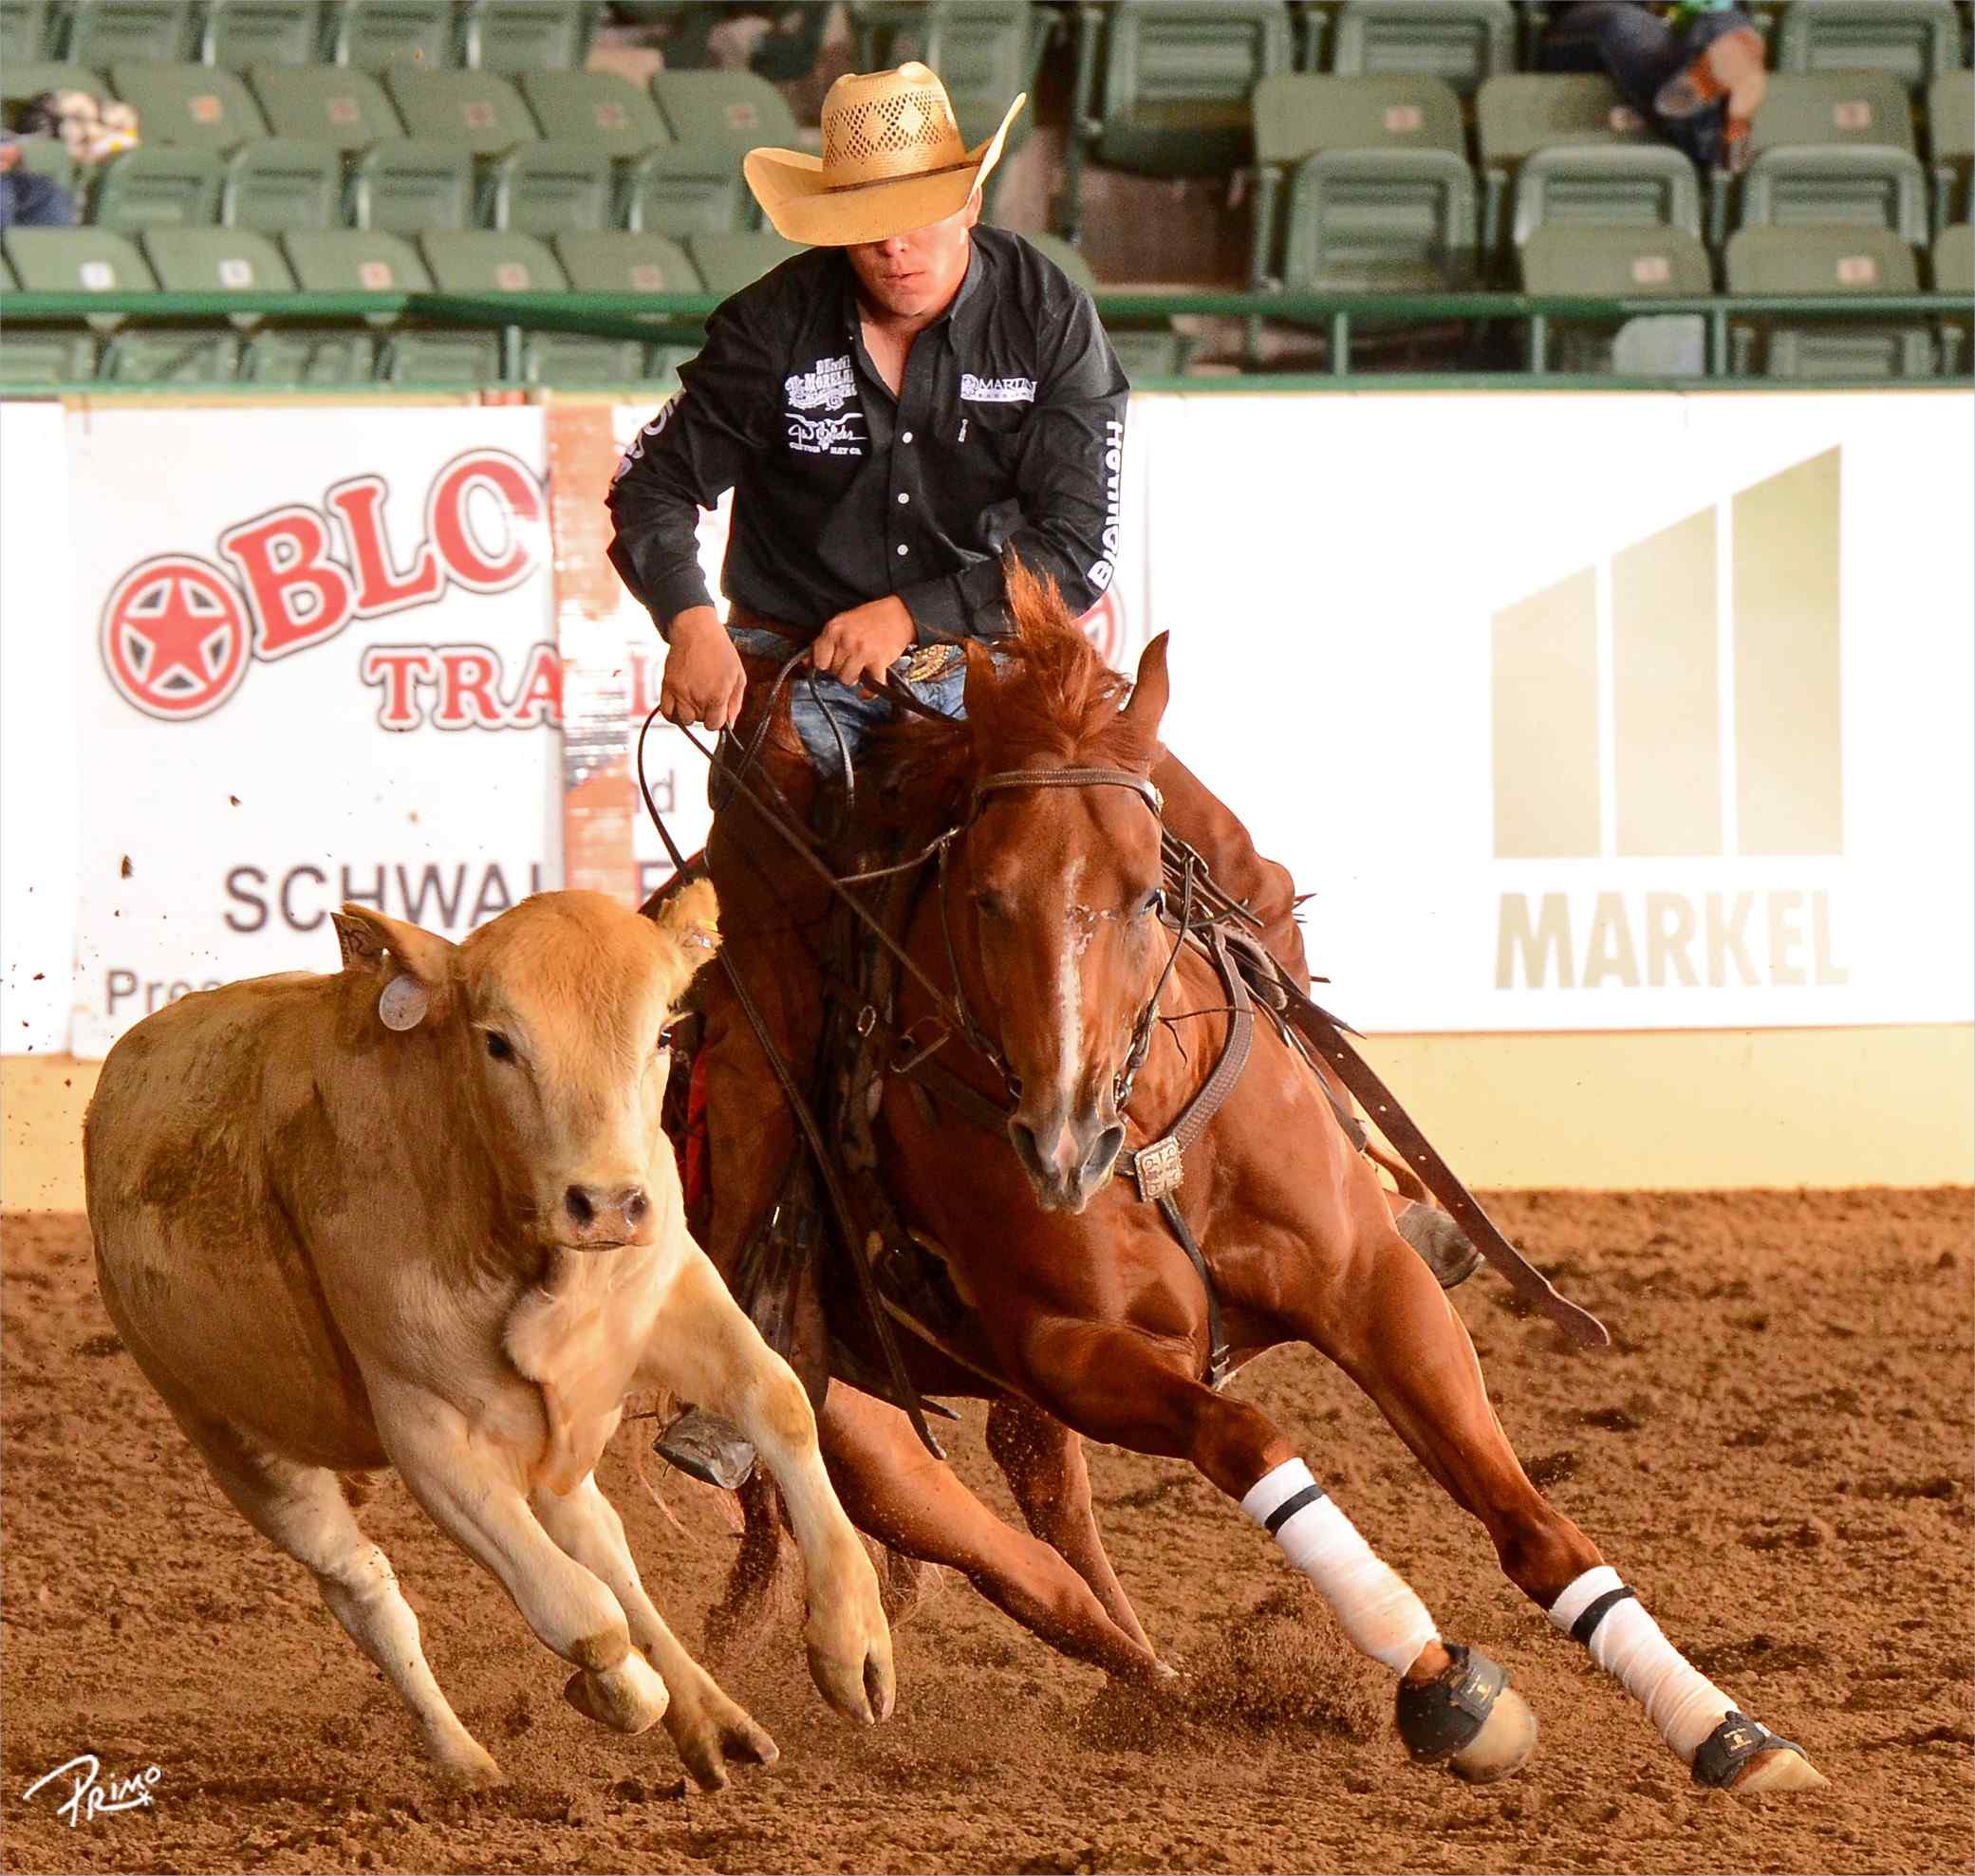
[[903, 499], [905, 436], [903, 549]]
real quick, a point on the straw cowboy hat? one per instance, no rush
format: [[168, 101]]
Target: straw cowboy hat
[[892, 161]]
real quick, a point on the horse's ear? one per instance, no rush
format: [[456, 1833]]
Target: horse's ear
[[1149, 692]]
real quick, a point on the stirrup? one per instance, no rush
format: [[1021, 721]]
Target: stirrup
[[706, 1447]]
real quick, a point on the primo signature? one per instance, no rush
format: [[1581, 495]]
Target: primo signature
[[89, 1799]]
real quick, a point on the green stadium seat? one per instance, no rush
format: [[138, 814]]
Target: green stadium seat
[[728, 262], [213, 260], [309, 358], [76, 260], [1300, 113], [1850, 186], [575, 360], [199, 105], [1865, 261], [1149, 349], [355, 260], [278, 183], [1826, 108], [484, 261], [375, 35], [734, 110], [21, 78], [1912, 41], [1954, 272], [170, 355], [530, 35], [240, 33], [1381, 221], [156, 186], [682, 190], [1519, 113], [24, 28], [105, 33], [544, 188], [41, 357], [985, 51], [1174, 81], [1950, 118], [1631, 261], [601, 109], [480, 111], [325, 104], [1464, 42], [1607, 185], [619, 263], [408, 187], [446, 361]]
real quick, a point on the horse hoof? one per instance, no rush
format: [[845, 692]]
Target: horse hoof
[[1502, 1747], [1467, 1718], [1784, 1770], [1441, 1244]]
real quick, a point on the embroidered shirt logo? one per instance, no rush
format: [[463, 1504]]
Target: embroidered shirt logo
[[825, 435], [997, 390], [826, 385]]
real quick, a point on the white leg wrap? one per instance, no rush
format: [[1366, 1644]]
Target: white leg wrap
[[1379, 1615], [1681, 1701]]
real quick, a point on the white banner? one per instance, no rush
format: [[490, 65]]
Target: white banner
[[315, 664]]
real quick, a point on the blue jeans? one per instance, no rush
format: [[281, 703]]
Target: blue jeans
[[28, 200], [816, 702], [1641, 52]]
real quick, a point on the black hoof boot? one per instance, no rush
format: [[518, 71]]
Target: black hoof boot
[[1441, 1244], [708, 1448], [1742, 1754], [1468, 1718]]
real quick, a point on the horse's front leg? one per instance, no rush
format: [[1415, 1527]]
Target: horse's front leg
[[1134, 1384], [1378, 1313], [1043, 1462]]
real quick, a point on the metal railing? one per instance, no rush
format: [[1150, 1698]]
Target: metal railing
[[1343, 317]]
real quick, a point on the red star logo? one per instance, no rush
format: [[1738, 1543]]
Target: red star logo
[[175, 638]]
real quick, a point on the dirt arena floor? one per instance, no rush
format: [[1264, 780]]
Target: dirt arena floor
[[1778, 1454]]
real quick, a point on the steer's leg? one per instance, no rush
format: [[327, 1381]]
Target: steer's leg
[[471, 1492], [709, 1730], [301, 1510], [707, 1350]]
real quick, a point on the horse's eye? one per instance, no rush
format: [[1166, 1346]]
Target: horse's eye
[[498, 1047], [990, 903], [1154, 904]]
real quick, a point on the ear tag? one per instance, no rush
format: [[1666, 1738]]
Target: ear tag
[[403, 1003]]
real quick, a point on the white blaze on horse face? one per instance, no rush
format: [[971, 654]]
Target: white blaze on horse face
[[1069, 987]]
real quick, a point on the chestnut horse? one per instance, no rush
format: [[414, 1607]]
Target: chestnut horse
[[1088, 1318]]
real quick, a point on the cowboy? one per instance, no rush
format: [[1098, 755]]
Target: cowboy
[[896, 411]]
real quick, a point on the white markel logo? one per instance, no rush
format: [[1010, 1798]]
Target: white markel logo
[[827, 384], [997, 390]]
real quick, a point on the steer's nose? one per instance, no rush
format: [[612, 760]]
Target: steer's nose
[[1067, 1159], [605, 1216]]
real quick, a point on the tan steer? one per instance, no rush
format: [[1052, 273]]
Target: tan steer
[[421, 1213]]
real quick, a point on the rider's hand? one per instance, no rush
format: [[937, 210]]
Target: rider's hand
[[704, 681], [859, 646]]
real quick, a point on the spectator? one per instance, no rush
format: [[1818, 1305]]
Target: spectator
[[1694, 71], [27, 200]]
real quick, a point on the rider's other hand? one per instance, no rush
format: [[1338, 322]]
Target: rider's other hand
[[704, 681], [859, 646]]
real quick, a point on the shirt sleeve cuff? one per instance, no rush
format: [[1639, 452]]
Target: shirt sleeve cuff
[[938, 611], [674, 595]]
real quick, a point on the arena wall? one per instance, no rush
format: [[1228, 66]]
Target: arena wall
[[1623, 741]]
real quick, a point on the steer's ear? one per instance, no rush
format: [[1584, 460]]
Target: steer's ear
[[390, 951], [691, 919]]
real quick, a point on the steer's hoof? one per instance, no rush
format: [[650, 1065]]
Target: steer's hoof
[[1467, 1718], [708, 1448], [471, 1769], [1441, 1244], [627, 1698], [1742, 1754], [712, 1741]]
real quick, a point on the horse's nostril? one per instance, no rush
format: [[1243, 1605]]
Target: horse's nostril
[[1103, 1154], [635, 1206], [578, 1203]]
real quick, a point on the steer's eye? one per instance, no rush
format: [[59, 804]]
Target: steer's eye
[[498, 1047]]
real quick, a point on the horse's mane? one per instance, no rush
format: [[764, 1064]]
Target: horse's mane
[[1044, 695]]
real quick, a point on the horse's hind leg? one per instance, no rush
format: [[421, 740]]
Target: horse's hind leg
[[1387, 1325], [1043, 1462], [894, 1490]]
